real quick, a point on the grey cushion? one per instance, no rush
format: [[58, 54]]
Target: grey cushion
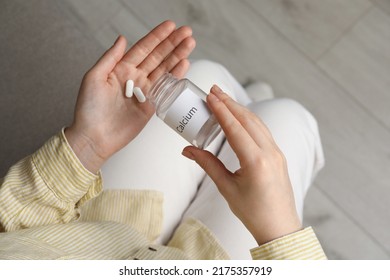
[[43, 57]]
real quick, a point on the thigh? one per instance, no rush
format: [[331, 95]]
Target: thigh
[[212, 210], [153, 160]]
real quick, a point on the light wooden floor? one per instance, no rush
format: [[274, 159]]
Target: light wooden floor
[[333, 56]]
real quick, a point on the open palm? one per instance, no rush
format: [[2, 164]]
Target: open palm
[[104, 117]]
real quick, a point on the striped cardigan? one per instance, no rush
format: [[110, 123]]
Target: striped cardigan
[[51, 207]]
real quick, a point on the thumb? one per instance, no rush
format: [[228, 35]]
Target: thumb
[[210, 164]]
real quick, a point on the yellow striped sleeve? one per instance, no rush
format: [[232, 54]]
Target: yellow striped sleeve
[[301, 245], [46, 187]]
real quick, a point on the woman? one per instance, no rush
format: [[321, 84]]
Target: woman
[[54, 201]]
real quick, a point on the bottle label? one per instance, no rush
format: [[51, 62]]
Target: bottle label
[[187, 114]]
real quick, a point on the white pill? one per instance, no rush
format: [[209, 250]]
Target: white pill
[[129, 88], [139, 95]]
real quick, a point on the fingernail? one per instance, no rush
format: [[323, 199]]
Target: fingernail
[[188, 154], [216, 89], [212, 97]]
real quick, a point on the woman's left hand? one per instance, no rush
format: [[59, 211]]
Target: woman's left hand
[[105, 120]]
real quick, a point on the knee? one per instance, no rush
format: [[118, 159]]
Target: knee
[[296, 110], [288, 106], [285, 112], [292, 125], [205, 66], [206, 73]]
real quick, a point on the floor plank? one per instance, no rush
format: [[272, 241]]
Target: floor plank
[[360, 63], [312, 25], [336, 231], [93, 14], [383, 4], [124, 23]]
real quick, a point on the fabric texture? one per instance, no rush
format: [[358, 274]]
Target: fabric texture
[[301, 245], [47, 203]]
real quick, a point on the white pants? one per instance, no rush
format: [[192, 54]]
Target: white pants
[[153, 161]]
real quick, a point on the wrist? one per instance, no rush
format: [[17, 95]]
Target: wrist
[[85, 150], [276, 231]]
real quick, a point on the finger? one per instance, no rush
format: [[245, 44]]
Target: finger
[[163, 50], [239, 139], [217, 171], [137, 53], [180, 69], [111, 57], [252, 124], [181, 52]]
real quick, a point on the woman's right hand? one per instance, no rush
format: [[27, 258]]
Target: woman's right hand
[[259, 193]]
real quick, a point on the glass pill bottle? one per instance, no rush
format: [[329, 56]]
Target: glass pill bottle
[[182, 106]]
